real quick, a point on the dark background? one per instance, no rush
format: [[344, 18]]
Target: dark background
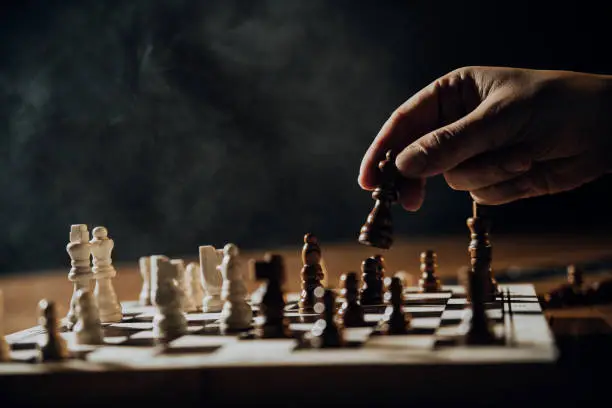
[[183, 123]]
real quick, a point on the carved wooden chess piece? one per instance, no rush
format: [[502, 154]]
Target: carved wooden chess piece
[[326, 332], [373, 285], [272, 306], [429, 281], [396, 321], [169, 321], [144, 265], [311, 273], [53, 347], [79, 250], [378, 228], [104, 271], [479, 330], [212, 280], [480, 251], [88, 329], [351, 313], [571, 293]]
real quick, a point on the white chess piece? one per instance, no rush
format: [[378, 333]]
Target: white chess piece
[[144, 264], [211, 276], [195, 288], [88, 329], [104, 272], [79, 250], [187, 301], [5, 349], [169, 322], [237, 313]]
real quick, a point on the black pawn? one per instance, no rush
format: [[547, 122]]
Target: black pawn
[[429, 281], [396, 321], [53, 347], [378, 228], [373, 285], [351, 313], [272, 306], [326, 333]]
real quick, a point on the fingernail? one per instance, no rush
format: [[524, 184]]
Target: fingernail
[[411, 161]]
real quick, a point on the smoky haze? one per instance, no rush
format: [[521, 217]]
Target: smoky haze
[[182, 123]]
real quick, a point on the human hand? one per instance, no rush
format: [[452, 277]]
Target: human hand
[[502, 134]]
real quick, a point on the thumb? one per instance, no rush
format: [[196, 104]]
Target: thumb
[[438, 151]]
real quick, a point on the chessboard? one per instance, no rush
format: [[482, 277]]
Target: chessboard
[[206, 365]]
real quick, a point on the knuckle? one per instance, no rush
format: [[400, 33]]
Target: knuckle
[[396, 116]]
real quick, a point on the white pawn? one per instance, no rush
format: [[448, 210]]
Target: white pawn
[[144, 264], [211, 276], [87, 328], [169, 322], [79, 250], [104, 272], [237, 313], [195, 290], [5, 349], [186, 301]]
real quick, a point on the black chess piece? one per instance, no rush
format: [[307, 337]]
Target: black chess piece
[[429, 281], [572, 293], [326, 332], [382, 266], [272, 306], [480, 251], [311, 273], [53, 347], [378, 228], [600, 292], [351, 313], [479, 330], [396, 321], [373, 285]]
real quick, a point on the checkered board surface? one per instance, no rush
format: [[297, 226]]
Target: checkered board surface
[[433, 338]]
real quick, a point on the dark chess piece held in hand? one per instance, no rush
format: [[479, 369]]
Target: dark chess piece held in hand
[[378, 228]]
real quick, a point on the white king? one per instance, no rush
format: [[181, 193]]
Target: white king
[[104, 271]]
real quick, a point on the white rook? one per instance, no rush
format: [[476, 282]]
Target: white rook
[[169, 321]]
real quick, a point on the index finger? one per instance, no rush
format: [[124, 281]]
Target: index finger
[[441, 102]]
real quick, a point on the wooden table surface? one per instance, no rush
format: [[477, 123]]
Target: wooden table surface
[[22, 291]]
